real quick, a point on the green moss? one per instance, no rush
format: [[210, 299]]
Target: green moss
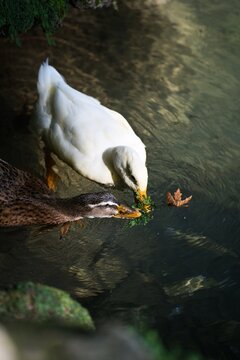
[[40, 303], [18, 16]]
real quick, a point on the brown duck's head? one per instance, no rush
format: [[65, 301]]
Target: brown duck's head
[[104, 205], [58, 211]]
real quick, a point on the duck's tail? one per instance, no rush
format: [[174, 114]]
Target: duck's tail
[[48, 78]]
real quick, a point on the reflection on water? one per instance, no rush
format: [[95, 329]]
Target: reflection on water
[[172, 68]]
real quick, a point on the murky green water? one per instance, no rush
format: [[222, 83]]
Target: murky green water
[[173, 71]]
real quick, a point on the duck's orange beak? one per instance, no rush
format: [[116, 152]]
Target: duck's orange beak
[[141, 194], [125, 212]]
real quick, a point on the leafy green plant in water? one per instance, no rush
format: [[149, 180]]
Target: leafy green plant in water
[[146, 207]]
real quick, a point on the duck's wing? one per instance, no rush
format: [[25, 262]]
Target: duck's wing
[[87, 130], [76, 96], [80, 99], [49, 84], [29, 211], [15, 183], [89, 127], [118, 118]]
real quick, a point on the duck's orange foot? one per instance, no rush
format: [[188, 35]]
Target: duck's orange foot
[[64, 229], [52, 179], [176, 199], [51, 176]]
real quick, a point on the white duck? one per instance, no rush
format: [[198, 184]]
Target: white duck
[[95, 141]]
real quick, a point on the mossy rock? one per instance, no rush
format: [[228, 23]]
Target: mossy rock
[[40, 303]]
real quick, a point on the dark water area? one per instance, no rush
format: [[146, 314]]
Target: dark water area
[[172, 69]]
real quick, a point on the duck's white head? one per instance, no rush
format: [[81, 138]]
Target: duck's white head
[[131, 168]]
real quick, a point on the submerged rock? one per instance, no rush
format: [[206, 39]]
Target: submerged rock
[[57, 343], [41, 303]]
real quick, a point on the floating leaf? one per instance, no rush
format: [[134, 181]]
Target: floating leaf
[[176, 199]]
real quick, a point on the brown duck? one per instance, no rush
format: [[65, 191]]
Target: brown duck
[[26, 200]]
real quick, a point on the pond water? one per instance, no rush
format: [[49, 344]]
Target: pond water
[[172, 69]]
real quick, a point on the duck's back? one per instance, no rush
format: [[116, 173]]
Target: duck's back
[[78, 115], [78, 128], [26, 200], [86, 121], [15, 184]]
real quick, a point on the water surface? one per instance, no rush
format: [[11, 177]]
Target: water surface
[[172, 69]]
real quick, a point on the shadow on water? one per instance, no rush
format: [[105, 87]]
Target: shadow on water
[[157, 66]]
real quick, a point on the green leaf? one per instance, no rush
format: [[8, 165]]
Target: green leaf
[[146, 207]]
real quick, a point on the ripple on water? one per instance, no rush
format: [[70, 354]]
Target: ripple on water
[[172, 70]]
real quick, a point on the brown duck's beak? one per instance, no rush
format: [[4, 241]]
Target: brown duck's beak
[[124, 212]]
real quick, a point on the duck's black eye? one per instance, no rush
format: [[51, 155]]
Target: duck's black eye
[[133, 178]]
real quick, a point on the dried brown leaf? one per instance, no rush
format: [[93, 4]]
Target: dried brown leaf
[[176, 199], [178, 195], [170, 199]]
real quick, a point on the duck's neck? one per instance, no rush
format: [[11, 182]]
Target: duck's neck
[[71, 209], [116, 159]]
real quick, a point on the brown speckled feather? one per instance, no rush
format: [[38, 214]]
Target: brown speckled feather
[[26, 200], [15, 183]]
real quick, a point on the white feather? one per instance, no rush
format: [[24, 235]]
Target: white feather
[[84, 133]]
